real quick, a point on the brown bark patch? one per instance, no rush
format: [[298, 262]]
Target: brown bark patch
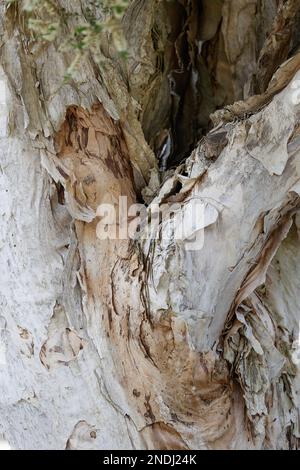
[[93, 157]]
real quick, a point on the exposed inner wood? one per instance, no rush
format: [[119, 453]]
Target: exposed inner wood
[[145, 344]]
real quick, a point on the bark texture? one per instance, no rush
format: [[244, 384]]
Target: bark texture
[[136, 344]]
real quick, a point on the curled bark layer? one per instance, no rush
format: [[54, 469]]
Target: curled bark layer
[[138, 344]]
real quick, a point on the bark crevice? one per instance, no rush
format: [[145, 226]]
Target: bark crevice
[[137, 325]]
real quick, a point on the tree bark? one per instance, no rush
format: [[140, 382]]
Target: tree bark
[[145, 344]]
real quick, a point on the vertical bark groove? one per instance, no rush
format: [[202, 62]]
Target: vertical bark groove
[[138, 343]]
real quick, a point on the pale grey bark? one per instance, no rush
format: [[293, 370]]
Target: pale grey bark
[[115, 344]]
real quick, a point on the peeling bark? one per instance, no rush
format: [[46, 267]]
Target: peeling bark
[[144, 344]]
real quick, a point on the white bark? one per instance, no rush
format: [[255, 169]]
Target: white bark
[[114, 344]]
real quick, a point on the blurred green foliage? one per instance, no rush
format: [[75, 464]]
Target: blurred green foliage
[[46, 20]]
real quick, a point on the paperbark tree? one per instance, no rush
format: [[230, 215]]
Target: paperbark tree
[[139, 343]]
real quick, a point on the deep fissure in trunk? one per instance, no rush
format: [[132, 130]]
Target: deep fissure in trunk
[[199, 66], [121, 344]]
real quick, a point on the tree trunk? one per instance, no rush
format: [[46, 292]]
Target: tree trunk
[[152, 343]]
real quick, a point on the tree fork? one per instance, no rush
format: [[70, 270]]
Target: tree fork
[[129, 344]]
